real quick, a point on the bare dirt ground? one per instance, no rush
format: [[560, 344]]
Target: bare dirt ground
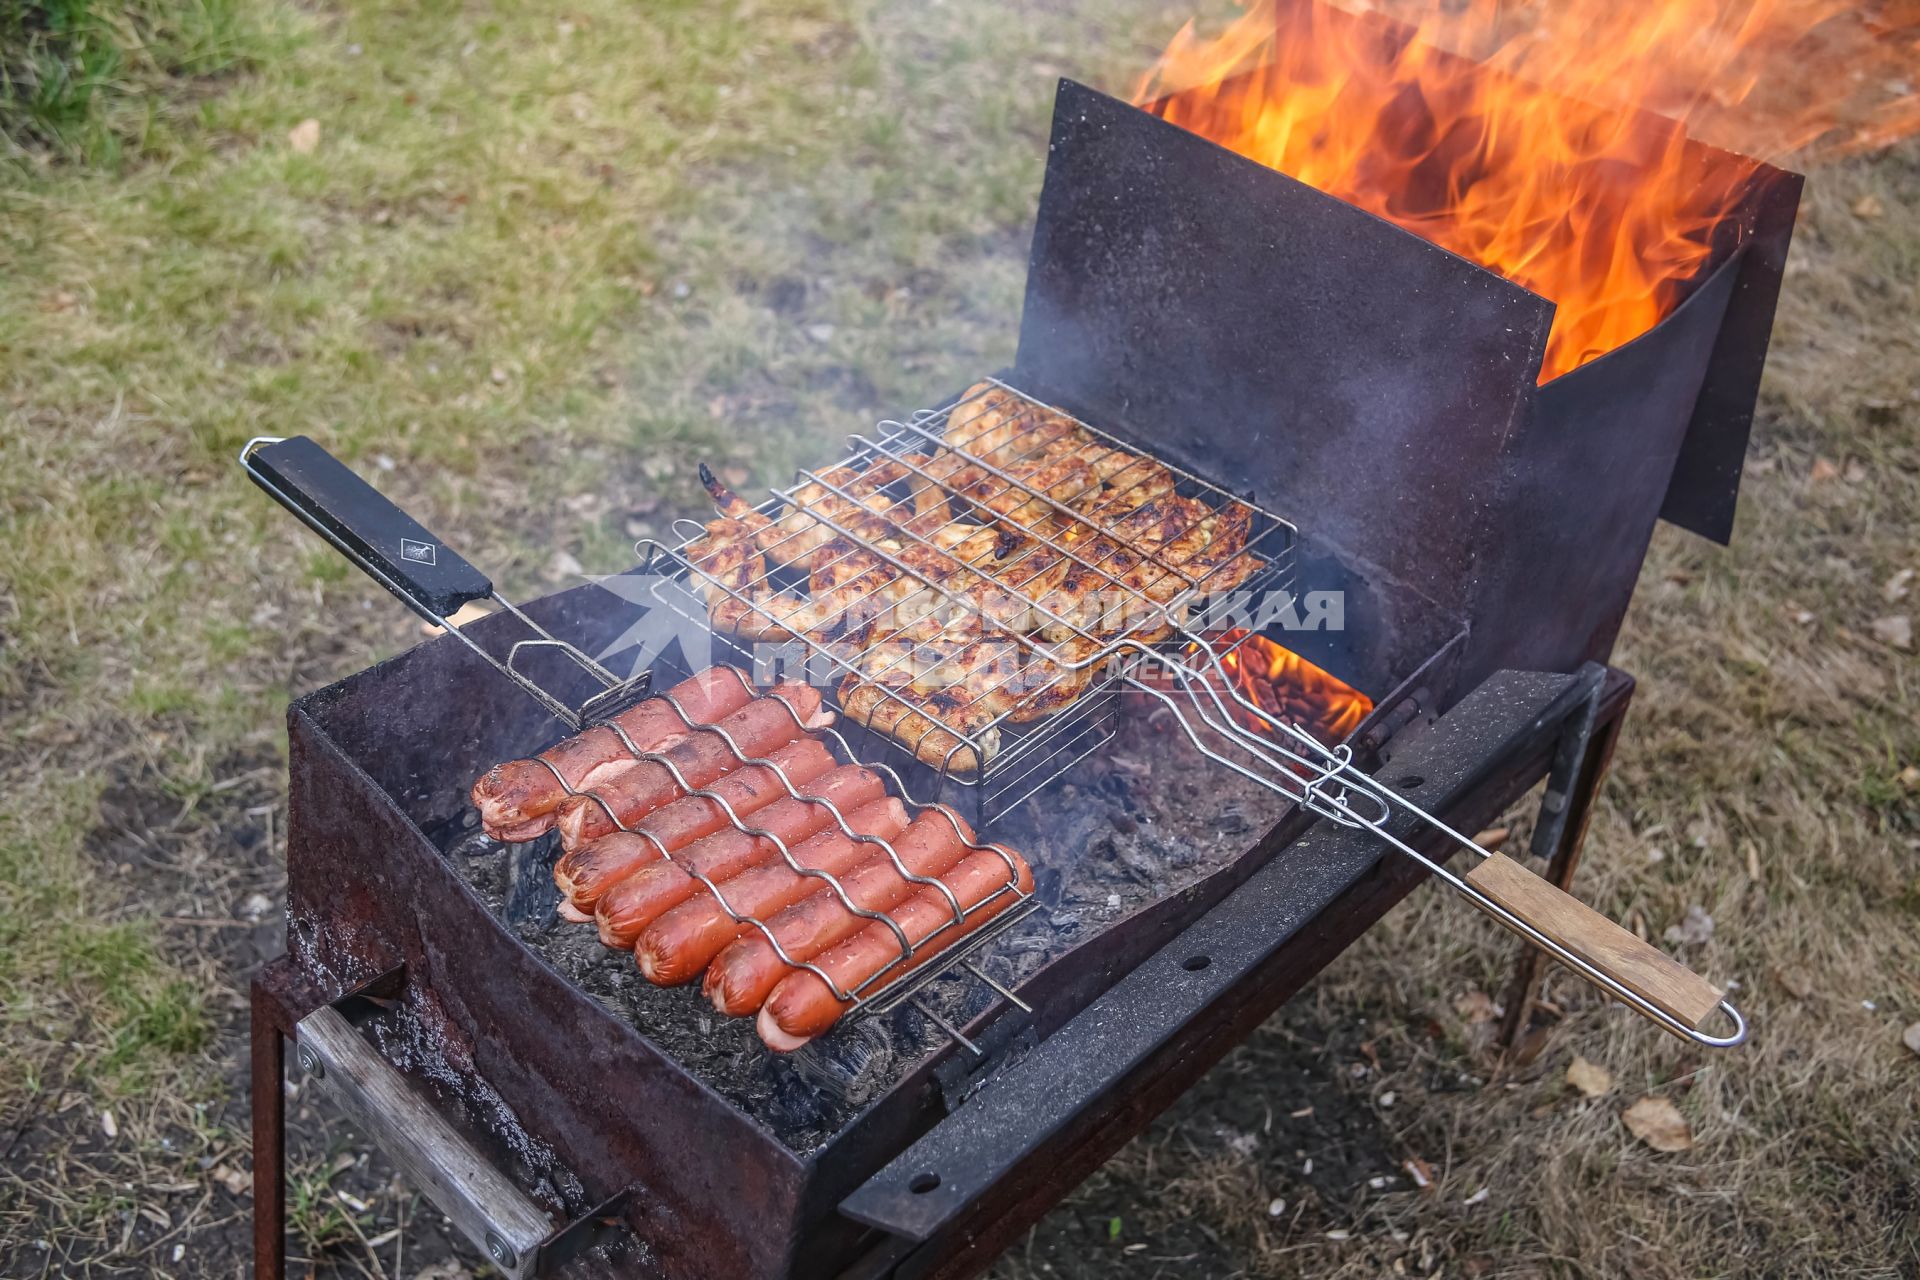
[[536, 261]]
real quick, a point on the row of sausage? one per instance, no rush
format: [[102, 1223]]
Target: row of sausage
[[790, 885]]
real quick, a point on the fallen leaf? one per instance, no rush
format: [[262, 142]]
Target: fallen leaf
[[1493, 837], [1911, 1037], [1823, 470], [1752, 851], [736, 476], [1896, 631], [1589, 1078], [1659, 1124], [236, 1182], [304, 137], [1419, 1170], [445, 1269], [1896, 587], [1694, 928], [1476, 1006], [1869, 207], [1793, 982], [1909, 777]]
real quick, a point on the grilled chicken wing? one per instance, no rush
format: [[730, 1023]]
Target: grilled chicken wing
[[941, 707], [796, 536], [1050, 686]]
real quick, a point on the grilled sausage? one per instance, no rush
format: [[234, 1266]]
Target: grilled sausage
[[758, 728], [642, 897], [517, 799], [803, 1006], [677, 946], [740, 978], [586, 873]]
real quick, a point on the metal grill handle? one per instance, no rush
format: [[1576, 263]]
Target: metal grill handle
[[429, 577], [1326, 781]]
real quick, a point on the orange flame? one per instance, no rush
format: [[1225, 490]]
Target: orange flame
[[1540, 161], [1289, 688]]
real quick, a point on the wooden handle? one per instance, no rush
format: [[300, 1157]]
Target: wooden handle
[[1640, 967]]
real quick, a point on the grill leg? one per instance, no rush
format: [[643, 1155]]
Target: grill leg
[[269, 1134], [1577, 775]]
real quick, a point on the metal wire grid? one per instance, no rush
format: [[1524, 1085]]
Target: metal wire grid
[[1038, 596], [910, 955]]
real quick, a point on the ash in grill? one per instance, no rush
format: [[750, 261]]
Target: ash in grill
[[1182, 302]]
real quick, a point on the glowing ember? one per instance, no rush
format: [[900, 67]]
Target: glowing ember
[[1291, 689], [1601, 208]]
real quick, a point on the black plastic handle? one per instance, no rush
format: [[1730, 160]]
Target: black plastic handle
[[392, 547]]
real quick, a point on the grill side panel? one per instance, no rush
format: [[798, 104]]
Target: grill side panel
[[536, 1071]]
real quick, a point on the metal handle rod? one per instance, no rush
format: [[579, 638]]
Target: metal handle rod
[[572, 717], [1338, 808]]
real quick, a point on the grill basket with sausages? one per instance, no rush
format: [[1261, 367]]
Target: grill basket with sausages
[[711, 831]]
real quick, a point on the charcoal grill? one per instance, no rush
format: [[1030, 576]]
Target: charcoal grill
[[1484, 587]]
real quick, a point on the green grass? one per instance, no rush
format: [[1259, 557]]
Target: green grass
[[541, 260], [88, 80]]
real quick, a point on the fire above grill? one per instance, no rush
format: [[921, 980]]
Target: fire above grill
[[1182, 302]]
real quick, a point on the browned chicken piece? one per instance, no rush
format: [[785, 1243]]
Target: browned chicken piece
[[992, 426], [739, 599], [1115, 583], [940, 593], [933, 703], [967, 542], [1041, 491], [1110, 462], [990, 423], [848, 583], [734, 507], [1048, 686], [1205, 564], [1132, 485], [978, 546], [796, 535]]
